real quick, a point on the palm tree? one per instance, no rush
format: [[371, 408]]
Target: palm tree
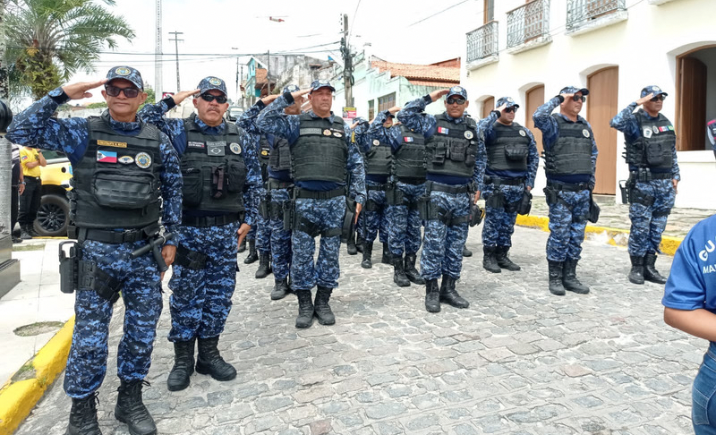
[[49, 40]]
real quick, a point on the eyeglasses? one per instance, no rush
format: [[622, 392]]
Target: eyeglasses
[[458, 101], [221, 99], [511, 109], [114, 91], [661, 97], [581, 98]]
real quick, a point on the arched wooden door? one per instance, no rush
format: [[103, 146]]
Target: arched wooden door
[[488, 106], [533, 99], [602, 106]]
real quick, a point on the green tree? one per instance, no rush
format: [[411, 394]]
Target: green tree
[[50, 40]]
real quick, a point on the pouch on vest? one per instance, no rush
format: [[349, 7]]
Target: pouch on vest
[[193, 186], [654, 154], [458, 151], [237, 175], [515, 152], [218, 182], [525, 204], [440, 154], [114, 190]]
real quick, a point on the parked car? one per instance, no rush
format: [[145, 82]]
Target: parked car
[[53, 215], [233, 113]]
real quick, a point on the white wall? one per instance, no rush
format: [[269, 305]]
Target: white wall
[[644, 47]]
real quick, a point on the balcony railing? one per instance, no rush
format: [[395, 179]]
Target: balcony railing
[[581, 12], [482, 42], [528, 23]]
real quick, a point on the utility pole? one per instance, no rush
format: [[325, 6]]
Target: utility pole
[[347, 64], [176, 45], [158, 73], [268, 66]]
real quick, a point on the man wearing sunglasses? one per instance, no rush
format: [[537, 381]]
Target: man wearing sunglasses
[[322, 156], [653, 179], [512, 162], [126, 178], [570, 154], [455, 157], [218, 161]]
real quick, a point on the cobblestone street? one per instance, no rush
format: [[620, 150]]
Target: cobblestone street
[[518, 361]]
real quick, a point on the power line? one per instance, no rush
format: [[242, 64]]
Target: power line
[[438, 13], [355, 14]]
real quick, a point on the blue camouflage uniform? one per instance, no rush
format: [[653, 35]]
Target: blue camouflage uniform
[[139, 277], [500, 221], [201, 296], [326, 215], [443, 244], [377, 215]]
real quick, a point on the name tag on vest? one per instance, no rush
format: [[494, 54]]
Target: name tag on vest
[[216, 148]]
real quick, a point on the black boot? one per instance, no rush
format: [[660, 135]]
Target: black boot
[[387, 256], [489, 260], [432, 296], [242, 246], [569, 278], [367, 263], [503, 260], [25, 233], [410, 271], [264, 266], [650, 272], [449, 295], [351, 245], [83, 416], [466, 252], [399, 276], [210, 361], [253, 255], [555, 278], [636, 274], [305, 309], [360, 243], [322, 309], [280, 289], [183, 365], [131, 411]]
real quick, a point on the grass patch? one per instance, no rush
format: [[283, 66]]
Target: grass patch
[[29, 247], [27, 371], [37, 328]]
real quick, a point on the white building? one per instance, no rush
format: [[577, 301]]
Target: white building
[[615, 48]]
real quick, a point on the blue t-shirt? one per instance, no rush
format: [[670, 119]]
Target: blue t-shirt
[[692, 281]]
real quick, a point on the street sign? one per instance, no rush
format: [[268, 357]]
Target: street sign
[[349, 112]]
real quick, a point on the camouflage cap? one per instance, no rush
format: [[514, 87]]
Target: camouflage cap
[[507, 101], [574, 90], [457, 90], [318, 84], [212, 83], [653, 89], [290, 89], [126, 73]]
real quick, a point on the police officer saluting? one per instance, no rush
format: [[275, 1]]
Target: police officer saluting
[[512, 162], [322, 155], [217, 161], [455, 166], [570, 162], [653, 178], [126, 177]]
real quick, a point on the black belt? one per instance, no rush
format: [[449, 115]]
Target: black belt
[[378, 187], [116, 237], [312, 194], [413, 181], [567, 187], [32, 178], [657, 175], [449, 189], [209, 221], [276, 184], [506, 181]]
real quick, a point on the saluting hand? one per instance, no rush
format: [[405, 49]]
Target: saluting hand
[[269, 99], [501, 108], [300, 93], [181, 96], [643, 100], [435, 95], [395, 109], [78, 91]]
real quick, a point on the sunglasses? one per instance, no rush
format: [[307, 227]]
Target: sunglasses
[[581, 98], [114, 91], [458, 101], [511, 109], [661, 97], [221, 99]]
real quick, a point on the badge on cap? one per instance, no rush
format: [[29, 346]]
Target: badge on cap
[[510, 100], [647, 132], [143, 160], [376, 142], [236, 148], [326, 132], [122, 71], [522, 133], [457, 89], [585, 132], [214, 81], [126, 160], [469, 135], [656, 89], [337, 134]]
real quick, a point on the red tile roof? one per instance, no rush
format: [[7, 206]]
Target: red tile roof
[[427, 75]]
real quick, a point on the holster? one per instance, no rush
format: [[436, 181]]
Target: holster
[[69, 266], [190, 259], [91, 277], [525, 205], [625, 188], [593, 210], [349, 220], [289, 213], [496, 200], [394, 196], [264, 206], [550, 195], [476, 215]]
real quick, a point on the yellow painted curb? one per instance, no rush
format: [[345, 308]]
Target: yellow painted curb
[[617, 236], [17, 399]]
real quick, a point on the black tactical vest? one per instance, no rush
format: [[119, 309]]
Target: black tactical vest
[[655, 145], [410, 157], [453, 148], [378, 159], [321, 153], [572, 153], [116, 183], [213, 169], [509, 150], [280, 156]]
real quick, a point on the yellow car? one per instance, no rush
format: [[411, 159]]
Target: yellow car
[[54, 213]]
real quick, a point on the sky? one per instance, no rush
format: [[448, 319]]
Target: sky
[[216, 32]]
